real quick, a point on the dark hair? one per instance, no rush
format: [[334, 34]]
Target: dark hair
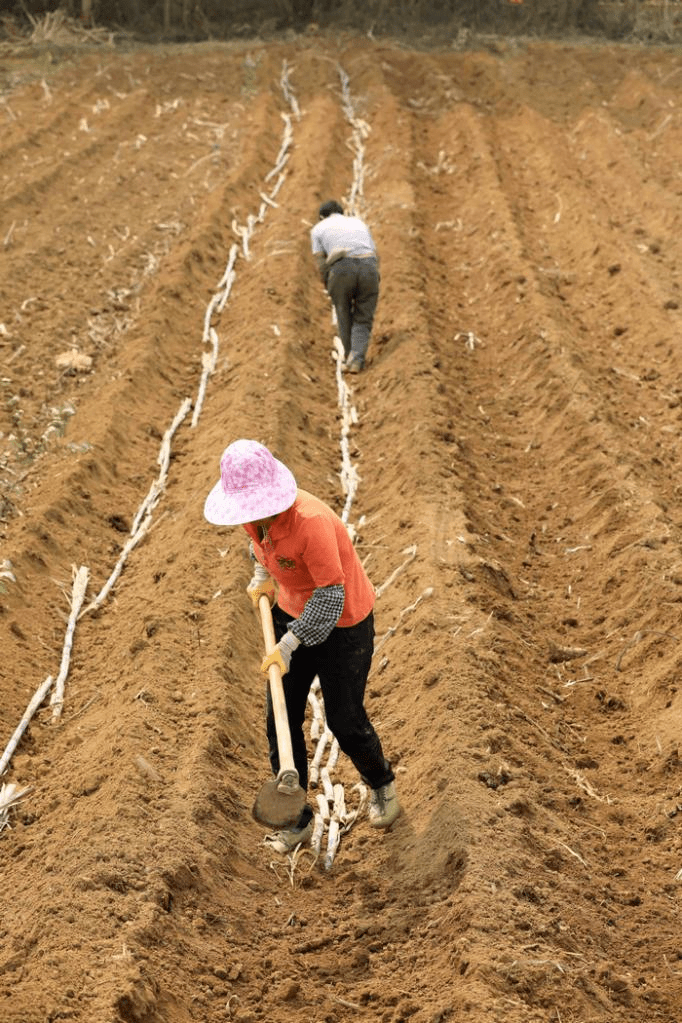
[[329, 207]]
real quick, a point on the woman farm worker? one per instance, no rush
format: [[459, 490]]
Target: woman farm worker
[[323, 615]]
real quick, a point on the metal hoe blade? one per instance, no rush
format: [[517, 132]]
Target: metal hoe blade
[[280, 802]]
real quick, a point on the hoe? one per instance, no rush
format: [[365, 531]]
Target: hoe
[[280, 801]]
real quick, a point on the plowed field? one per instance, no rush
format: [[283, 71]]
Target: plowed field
[[509, 463]]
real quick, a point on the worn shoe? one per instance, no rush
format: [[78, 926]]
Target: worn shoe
[[354, 364], [384, 807], [286, 841]]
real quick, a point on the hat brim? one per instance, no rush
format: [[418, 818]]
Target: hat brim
[[260, 502]]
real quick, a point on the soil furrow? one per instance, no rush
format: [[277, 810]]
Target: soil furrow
[[597, 295], [486, 410], [107, 456]]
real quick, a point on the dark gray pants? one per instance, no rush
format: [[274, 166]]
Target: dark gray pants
[[353, 286], [342, 663]]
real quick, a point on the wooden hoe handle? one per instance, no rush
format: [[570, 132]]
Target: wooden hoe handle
[[286, 756]]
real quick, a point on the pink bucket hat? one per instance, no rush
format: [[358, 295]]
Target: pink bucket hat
[[253, 485]]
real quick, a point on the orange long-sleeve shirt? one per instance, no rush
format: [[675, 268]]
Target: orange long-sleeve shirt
[[308, 546]]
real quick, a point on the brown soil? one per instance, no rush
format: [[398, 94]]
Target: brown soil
[[519, 423]]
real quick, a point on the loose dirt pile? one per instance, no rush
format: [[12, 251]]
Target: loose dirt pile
[[517, 440]]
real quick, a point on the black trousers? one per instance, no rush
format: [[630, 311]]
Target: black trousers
[[342, 664]]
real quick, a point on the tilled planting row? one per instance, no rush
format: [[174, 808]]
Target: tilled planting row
[[524, 372]]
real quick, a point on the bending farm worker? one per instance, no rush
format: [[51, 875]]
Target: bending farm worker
[[348, 264], [323, 616]]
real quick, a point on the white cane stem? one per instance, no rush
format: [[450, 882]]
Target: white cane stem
[[80, 584], [317, 757], [37, 699]]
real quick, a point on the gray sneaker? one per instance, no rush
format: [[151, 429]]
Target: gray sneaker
[[384, 807], [354, 364], [287, 840]]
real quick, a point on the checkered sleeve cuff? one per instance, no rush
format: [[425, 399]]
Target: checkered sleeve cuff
[[320, 615]]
